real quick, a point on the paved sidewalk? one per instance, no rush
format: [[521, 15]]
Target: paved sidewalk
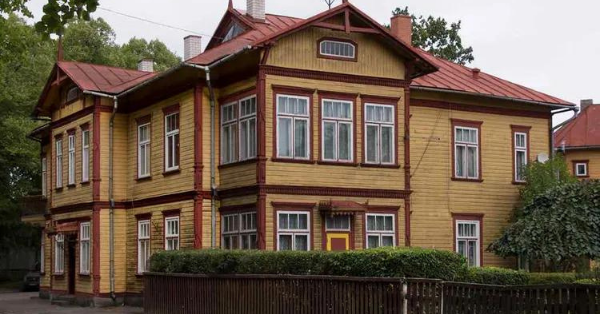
[[29, 303]]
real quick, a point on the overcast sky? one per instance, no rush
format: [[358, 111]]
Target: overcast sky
[[549, 45]]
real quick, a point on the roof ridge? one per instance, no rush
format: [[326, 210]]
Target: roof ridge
[[101, 65]]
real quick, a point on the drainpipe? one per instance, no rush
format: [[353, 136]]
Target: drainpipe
[[554, 128]]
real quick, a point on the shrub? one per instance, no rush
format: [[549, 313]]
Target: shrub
[[551, 278], [496, 276], [382, 262]]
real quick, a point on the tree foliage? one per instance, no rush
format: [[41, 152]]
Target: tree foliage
[[438, 37], [559, 226]]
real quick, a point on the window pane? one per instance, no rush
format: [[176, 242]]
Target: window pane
[[345, 136], [329, 140], [472, 162], [285, 131], [370, 223], [303, 221], [300, 137], [244, 140], [387, 241], [372, 241], [520, 164], [301, 243], [389, 223], [472, 257], [379, 223], [387, 139], [460, 161], [462, 249], [372, 143], [285, 242], [283, 221], [252, 138], [293, 221]]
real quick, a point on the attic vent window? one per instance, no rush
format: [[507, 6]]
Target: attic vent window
[[233, 32], [72, 94], [337, 49]]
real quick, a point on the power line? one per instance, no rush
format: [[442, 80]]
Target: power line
[[153, 22]]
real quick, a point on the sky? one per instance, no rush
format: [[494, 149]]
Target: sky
[[548, 45]]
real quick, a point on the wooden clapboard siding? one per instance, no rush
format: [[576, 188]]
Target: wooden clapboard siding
[[48, 258], [120, 152], [337, 176], [436, 196], [592, 157], [206, 225], [299, 51], [134, 283], [74, 107]]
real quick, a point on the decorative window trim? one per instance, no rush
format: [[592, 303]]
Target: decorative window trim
[[168, 112], [240, 232], [71, 162], [44, 167], [329, 229], [394, 233], [387, 102], [58, 153], [144, 122], [458, 123], [352, 99], [469, 217], [59, 254], [294, 117], [291, 207], [337, 57], [585, 163], [145, 219], [69, 97], [238, 120], [85, 155], [172, 236], [85, 238], [519, 129]]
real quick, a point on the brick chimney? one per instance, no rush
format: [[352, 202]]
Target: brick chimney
[[256, 9], [585, 103], [192, 46], [146, 65], [402, 27]]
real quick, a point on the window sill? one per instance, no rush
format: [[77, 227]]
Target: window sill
[[337, 163], [58, 189], [582, 177], [142, 179], [59, 275], [519, 182], [71, 186], [85, 182], [366, 165], [171, 172], [293, 161], [238, 163], [138, 275], [85, 275], [466, 180]]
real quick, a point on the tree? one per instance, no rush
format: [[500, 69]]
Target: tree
[[136, 49], [559, 227], [434, 35]]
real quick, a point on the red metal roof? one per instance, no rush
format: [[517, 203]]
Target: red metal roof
[[581, 132], [101, 78]]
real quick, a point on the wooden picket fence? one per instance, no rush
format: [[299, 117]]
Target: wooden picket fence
[[286, 294]]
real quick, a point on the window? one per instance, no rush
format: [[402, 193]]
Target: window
[[71, 159], [467, 240], [337, 130], [43, 253], [379, 130], [239, 231], [143, 245], [144, 150], [233, 32], [59, 254], [581, 168], [72, 94], [59, 159], [381, 230], [172, 142], [293, 127], [521, 154], [238, 131], [84, 248], [466, 152], [338, 49], [172, 233], [44, 176], [85, 155], [293, 231], [337, 223], [247, 128]]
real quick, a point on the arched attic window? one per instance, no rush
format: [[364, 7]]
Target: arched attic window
[[341, 49]]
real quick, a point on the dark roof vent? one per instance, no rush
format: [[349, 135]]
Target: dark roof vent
[[475, 72]]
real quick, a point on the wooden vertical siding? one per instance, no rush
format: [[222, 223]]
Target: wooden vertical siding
[[299, 51], [436, 197], [592, 157]]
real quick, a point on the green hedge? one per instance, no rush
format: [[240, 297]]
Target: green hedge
[[383, 262], [551, 278], [496, 276]]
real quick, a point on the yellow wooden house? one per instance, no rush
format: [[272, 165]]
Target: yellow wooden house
[[326, 133]]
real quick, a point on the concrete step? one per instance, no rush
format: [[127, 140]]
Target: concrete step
[[64, 300]]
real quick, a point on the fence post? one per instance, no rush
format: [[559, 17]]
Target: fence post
[[404, 297], [442, 297]]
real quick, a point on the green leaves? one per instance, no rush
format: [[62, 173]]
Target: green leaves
[[58, 13]]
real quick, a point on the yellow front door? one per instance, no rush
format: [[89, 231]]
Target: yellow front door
[[338, 241]]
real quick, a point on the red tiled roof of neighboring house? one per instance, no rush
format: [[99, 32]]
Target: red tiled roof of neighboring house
[[101, 78], [581, 132]]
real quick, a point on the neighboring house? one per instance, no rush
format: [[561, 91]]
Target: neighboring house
[[328, 133], [579, 141]]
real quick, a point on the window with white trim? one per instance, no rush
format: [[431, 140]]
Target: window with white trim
[[143, 246], [466, 152], [71, 159], [59, 254], [340, 49], [172, 141], [85, 155], [581, 169], [337, 223], [239, 231], [144, 150], [43, 253], [379, 134], [520, 155], [293, 129], [172, 233], [84, 248], [238, 130], [59, 163], [247, 128], [467, 240], [293, 231], [44, 176], [337, 126], [381, 230]]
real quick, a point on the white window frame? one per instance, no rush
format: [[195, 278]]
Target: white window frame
[[337, 121], [71, 159], [380, 125], [230, 144], [585, 167], [170, 235], [84, 248], [468, 239], [143, 251], [43, 253], [380, 233], [330, 228], [85, 155], [247, 118], [294, 118], [59, 254], [239, 231], [518, 175], [59, 163], [171, 151], [351, 56], [466, 145], [144, 145], [294, 232], [44, 176]]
